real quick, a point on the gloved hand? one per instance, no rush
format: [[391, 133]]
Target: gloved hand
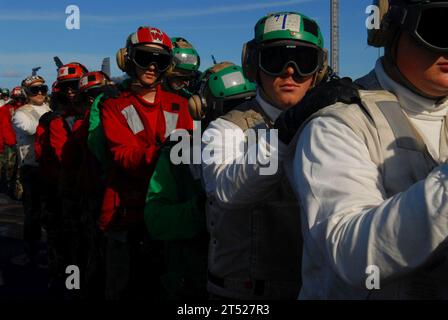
[[325, 94]]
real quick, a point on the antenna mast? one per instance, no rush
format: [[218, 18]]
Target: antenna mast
[[334, 35]]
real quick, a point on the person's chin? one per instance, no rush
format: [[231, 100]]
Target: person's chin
[[289, 99], [440, 88], [286, 103], [439, 79], [149, 80]]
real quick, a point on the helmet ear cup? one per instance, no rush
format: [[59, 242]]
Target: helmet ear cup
[[249, 60], [24, 93], [171, 68], [196, 107], [121, 57], [322, 73], [379, 37]]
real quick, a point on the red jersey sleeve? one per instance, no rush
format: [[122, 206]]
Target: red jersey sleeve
[[9, 134], [2, 139], [73, 150], [39, 141], [58, 136], [127, 151]]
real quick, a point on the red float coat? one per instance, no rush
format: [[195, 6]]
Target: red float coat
[[134, 130]]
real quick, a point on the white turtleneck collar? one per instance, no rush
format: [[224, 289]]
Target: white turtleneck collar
[[272, 112], [414, 104]]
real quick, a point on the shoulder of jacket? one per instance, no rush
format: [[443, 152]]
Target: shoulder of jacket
[[341, 111], [339, 107], [245, 115], [23, 111], [25, 107], [120, 102], [172, 97], [353, 116], [367, 96], [3, 110], [56, 118], [174, 105], [47, 116], [369, 81]]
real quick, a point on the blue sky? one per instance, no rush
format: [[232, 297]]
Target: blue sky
[[34, 31]]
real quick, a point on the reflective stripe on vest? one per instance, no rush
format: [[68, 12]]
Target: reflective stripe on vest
[[70, 122], [170, 122], [404, 156], [394, 126], [133, 119], [246, 115]]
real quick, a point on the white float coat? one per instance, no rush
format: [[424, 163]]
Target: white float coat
[[347, 220]]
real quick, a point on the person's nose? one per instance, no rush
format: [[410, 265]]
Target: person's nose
[[289, 71]]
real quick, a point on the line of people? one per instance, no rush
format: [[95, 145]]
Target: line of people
[[9, 179], [86, 155]]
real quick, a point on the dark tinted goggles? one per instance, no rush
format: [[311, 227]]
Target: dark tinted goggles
[[144, 59], [66, 85], [306, 60], [427, 24], [34, 90], [93, 92]]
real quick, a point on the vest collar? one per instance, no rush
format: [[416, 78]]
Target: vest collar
[[35, 106], [414, 104], [272, 112]]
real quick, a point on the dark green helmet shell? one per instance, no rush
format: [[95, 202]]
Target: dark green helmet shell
[[229, 82], [185, 55], [288, 26]]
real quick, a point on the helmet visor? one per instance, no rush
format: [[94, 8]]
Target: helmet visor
[[186, 58], [273, 60], [233, 79]]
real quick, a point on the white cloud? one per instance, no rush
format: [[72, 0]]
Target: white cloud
[[168, 15], [11, 74], [22, 63], [154, 16], [46, 58], [31, 16], [219, 27]]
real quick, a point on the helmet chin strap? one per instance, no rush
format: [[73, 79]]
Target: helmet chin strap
[[391, 67]]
